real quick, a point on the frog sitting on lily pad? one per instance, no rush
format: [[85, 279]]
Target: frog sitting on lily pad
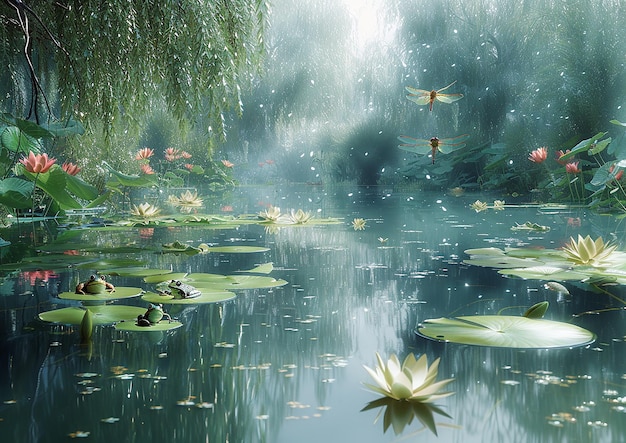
[[152, 316], [178, 290], [94, 285]]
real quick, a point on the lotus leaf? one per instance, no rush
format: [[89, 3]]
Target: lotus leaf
[[102, 314], [505, 332]]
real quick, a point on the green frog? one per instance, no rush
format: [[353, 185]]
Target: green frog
[[95, 285], [182, 290], [153, 315]]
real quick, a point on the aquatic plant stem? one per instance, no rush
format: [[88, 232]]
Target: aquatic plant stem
[[604, 291]]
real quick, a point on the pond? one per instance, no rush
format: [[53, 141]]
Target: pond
[[285, 363]]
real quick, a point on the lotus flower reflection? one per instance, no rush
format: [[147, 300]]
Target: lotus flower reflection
[[414, 380]]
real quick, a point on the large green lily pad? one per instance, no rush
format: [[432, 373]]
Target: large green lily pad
[[163, 325], [119, 293], [233, 282], [159, 278], [102, 314], [240, 249], [207, 296], [545, 273], [136, 271], [505, 331]]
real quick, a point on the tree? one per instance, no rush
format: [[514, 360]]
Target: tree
[[100, 61]]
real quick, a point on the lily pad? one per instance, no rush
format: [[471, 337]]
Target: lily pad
[[544, 272], [120, 292], [240, 249], [136, 271], [131, 326], [265, 268], [159, 278], [102, 314], [505, 331], [234, 281], [207, 296]]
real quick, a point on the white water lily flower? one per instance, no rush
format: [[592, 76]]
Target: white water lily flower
[[145, 210], [300, 216], [586, 251], [187, 201], [479, 206], [414, 380], [271, 214]]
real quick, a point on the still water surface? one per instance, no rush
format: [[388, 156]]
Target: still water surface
[[286, 364]]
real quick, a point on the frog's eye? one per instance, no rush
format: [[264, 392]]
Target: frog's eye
[[93, 277], [178, 283]]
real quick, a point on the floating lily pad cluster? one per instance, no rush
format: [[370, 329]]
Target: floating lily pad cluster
[[583, 259], [208, 288]]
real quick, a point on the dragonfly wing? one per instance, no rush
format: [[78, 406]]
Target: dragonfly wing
[[419, 99], [449, 98], [448, 145], [414, 144], [443, 89], [415, 91]]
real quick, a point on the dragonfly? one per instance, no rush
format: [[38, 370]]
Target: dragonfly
[[422, 96], [434, 144]]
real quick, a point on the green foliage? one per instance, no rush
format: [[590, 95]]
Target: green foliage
[[111, 60], [20, 137], [16, 193]]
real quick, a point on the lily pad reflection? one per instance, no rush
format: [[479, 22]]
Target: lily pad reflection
[[505, 332]]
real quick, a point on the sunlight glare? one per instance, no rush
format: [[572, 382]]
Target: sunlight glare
[[365, 14]]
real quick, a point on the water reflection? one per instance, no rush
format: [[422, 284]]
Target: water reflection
[[285, 364]]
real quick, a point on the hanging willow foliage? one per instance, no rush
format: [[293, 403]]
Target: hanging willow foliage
[[102, 60]]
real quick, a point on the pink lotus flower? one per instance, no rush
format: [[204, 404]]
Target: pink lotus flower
[[189, 166], [227, 163], [37, 164], [144, 154], [172, 154], [146, 169], [539, 155], [185, 155], [70, 168], [572, 168]]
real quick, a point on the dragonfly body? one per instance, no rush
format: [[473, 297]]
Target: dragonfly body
[[423, 97]]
